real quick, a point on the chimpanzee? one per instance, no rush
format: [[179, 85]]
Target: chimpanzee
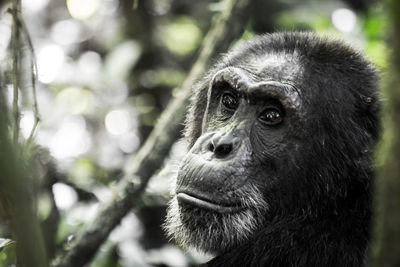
[[279, 171]]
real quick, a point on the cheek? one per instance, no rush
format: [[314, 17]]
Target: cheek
[[276, 142], [268, 146]]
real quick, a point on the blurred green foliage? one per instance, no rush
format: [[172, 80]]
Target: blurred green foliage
[[182, 36]]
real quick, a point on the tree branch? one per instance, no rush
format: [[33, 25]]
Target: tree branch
[[227, 26], [34, 73], [16, 45]]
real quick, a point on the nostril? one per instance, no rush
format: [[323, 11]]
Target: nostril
[[221, 146], [210, 147], [223, 150]]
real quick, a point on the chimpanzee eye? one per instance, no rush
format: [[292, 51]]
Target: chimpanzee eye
[[271, 116], [229, 101]]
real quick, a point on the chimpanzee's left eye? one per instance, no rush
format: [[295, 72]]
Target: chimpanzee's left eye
[[271, 116]]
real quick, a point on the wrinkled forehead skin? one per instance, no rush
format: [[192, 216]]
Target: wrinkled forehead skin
[[309, 82], [280, 67]]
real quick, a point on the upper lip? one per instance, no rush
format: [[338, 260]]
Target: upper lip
[[205, 203]]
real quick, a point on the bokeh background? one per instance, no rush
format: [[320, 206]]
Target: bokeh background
[[106, 71]]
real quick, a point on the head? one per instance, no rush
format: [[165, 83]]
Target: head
[[280, 127]]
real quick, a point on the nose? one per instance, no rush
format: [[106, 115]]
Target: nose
[[222, 145]]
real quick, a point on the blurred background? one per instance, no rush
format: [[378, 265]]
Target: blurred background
[[106, 71]]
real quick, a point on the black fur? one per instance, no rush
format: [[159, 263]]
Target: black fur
[[314, 172]]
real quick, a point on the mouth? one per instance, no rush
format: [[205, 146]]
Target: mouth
[[184, 198]]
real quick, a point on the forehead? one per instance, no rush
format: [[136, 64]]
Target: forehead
[[273, 66]]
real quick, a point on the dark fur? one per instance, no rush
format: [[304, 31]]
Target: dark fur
[[320, 208]]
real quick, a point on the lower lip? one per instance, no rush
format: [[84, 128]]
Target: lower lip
[[188, 199]]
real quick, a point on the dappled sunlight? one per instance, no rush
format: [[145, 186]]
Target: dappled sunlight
[[344, 19], [82, 9], [71, 139], [50, 60], [64, 196], [118, 122], [34, 6]]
